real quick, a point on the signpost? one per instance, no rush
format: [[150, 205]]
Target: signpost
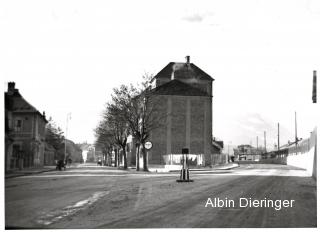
[[184, 173], [148, 146]]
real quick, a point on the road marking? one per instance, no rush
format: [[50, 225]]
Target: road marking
[[54, 216]]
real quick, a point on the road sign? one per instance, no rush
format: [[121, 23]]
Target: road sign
[[148, 145]]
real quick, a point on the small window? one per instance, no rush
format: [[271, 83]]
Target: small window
[[15, 151], [18, 125]]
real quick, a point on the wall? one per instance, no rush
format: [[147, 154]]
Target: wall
[[217, 159], [305, 156], [187, 123]]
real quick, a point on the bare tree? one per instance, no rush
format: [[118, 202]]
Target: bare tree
[[140, 113], [105, 140], [114, 118], [132, 110]]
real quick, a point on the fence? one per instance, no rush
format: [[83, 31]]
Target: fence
[[217, 159]]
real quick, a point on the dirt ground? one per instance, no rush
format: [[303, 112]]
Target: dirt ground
[[81, 198]]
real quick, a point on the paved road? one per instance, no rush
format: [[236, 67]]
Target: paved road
[[100, 197]]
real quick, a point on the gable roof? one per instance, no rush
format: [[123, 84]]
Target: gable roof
[[176, 87], [217, 144], [16, 103], [186, 68]]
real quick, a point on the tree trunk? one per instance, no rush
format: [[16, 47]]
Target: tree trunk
[[144, 154], [125, 165], [115, 157], [137, 157], [119, 157], [109, 159]]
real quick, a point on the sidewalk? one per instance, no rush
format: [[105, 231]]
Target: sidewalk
[[28, 171], [177, 168]]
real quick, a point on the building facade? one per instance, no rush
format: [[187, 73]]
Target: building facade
[[247, 152], [182, 94], [24, 132]]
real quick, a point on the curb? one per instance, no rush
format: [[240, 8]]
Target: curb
[[13, 175], [217, 168]]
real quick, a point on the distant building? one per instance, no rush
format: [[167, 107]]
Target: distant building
[[217, 146], [24, 132], [88, 152], [247, 152], [217, 157]]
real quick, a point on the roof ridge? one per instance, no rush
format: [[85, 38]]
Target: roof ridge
[[184, 90], [170, 67]]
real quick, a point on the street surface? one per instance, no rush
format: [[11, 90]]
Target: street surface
[[104, 197]]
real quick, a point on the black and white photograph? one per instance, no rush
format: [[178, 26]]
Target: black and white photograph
[[159, 114]]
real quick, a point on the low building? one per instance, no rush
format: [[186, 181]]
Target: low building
[[24, 132], [247, 152], [217, 157]]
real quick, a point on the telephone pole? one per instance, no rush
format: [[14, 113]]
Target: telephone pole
[[295, 130], [314, 87], [65, 138], [265, 141], [278, 137]]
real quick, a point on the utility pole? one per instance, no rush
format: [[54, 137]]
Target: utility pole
[[265, 141], [257, 152], [278, 137], [295, 126], [296, 133], [314, 87], [65, 138]]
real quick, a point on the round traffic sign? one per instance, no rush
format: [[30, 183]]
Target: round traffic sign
[[148, 145]]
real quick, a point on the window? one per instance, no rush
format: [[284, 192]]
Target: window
[[15, 151], [18, 125]]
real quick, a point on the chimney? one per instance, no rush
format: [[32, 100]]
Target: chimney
[[11, 87], [188, 59]]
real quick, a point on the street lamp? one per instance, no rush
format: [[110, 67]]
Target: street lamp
[[65, 138]]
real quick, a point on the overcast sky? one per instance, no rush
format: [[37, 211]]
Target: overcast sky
[[66, 56]]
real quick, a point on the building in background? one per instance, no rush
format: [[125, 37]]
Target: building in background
[[24, 132], [87, 151], [248, 152], [217, 157]]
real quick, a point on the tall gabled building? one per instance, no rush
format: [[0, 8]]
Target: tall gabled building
[[184, 95], [24, 132]]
